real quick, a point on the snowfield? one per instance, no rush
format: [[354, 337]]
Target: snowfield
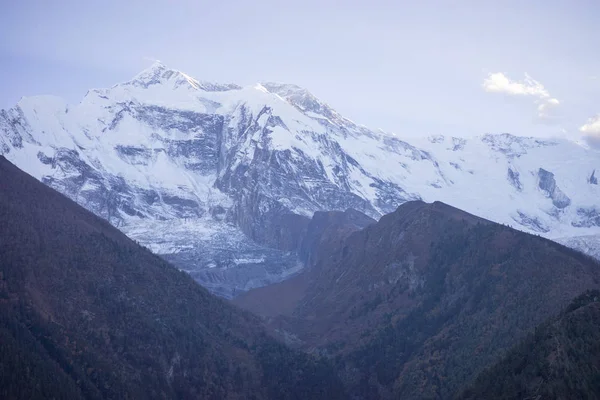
[[195, 168]]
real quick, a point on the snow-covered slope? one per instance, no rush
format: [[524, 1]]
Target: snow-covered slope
[[166, 153], [589, 244]]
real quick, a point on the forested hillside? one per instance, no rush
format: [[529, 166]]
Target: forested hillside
[[87, 313]]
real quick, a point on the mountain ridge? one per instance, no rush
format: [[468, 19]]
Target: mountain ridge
[[419, 303], [87, 313], [166, 153], [559, 360]]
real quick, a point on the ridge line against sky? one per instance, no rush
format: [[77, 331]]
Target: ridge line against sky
[[462, 68]]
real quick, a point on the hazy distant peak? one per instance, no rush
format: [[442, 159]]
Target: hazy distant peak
[[153, 72]]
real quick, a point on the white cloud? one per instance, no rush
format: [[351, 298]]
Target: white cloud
[[592, 126], [591, 131], [499, 83], [547, 108]]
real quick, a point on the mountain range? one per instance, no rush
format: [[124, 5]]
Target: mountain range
[[86, 313], [222, 180], [422, 301], [427, 302]]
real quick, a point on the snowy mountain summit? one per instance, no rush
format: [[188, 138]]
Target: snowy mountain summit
[[218, 178]]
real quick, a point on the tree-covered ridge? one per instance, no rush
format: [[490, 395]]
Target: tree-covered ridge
[[418, 304], [560, 360], [87, 313], [486, 287]]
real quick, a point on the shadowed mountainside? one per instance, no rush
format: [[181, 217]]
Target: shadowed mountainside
[[87, 313], [325, 230], [419, 303], [560, 360]]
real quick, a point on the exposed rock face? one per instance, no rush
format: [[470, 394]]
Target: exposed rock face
[[325, 227], [589, 217], [167, 152], [513, 178], [548, 185], [593, 180], [534, 224]]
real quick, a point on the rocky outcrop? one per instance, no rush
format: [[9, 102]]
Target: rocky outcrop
[[326, 229], [587, 217], [513, 178], [548, 184], [593, 180]]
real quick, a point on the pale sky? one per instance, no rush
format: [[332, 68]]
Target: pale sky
[[412, 68]]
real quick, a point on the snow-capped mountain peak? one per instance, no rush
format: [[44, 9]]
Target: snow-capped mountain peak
[[168, 151], [151, 74], [159, 74]]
